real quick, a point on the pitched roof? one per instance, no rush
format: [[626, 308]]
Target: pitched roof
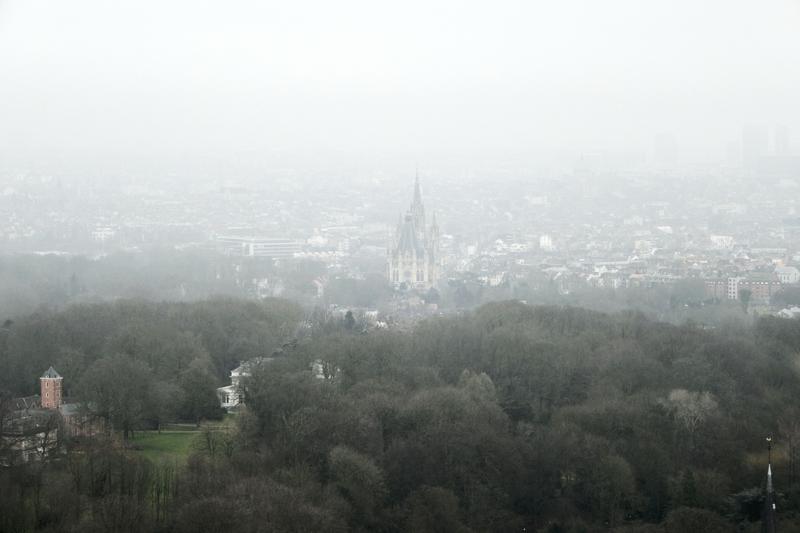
[[408, 241], [28, 402], [246, 367], [69, 409], [51, 374]]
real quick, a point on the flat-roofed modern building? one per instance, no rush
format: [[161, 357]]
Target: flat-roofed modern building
[[257, 246]]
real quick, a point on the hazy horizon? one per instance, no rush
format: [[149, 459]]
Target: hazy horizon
[[416, 81]]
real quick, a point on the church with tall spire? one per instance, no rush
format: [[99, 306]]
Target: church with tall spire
[[414, 251]]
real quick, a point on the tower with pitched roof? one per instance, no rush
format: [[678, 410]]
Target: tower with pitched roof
[[51, 389]]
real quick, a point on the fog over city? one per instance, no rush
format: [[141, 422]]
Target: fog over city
[[444, 266], [419, 79]]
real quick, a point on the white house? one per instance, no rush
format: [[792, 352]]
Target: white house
[[232, 395], [789, 312]]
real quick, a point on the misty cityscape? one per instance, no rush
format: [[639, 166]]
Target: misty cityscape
[[645, 223], [446, 267]]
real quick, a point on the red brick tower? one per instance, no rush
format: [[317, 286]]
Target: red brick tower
[[51, 389]]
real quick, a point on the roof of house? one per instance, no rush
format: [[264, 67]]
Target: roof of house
[[51, 374], [69, 409], [246, 367], [28, 402]]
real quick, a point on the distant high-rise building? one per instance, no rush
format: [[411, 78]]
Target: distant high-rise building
[[755, 144], [782, 140], [546, 243], [775, 162], [665, 149], [414, 252]]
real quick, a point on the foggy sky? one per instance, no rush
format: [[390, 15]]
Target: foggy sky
[[374, 76]]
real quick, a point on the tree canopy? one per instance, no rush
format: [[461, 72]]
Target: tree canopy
[[507, 418]]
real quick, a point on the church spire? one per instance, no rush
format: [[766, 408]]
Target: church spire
[[417, 211], [768, 519], [397, 230], [413, 258], [417, 191]]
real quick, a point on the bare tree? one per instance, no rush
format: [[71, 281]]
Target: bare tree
[[691, 409]]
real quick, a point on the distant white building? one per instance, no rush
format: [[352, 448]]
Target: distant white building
[[733, 287], [546, 243], [104, 233], [231, 396], [321, 369], [722, 241], [788, 274], [257, 246], [789, 312]]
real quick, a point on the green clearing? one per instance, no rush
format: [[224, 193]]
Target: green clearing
[[175, 441], [167, 446]]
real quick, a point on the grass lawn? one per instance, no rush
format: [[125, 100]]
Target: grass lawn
[[169, 446]]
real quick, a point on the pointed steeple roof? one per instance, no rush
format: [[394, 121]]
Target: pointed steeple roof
[[769, 479], [417, 190], [51, 374], [407, 240], [768, 518]]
